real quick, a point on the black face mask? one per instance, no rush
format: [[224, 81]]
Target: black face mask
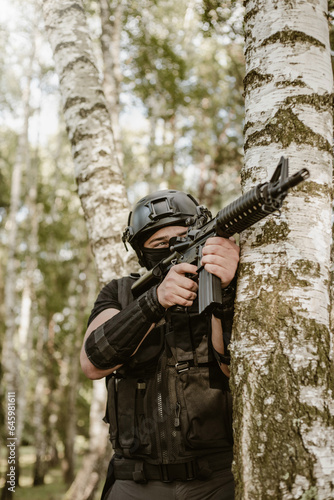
[[154, 255]]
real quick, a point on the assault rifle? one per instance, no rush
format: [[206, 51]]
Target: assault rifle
[[239, 215]]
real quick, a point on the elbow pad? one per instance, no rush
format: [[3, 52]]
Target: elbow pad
[[113, 342]]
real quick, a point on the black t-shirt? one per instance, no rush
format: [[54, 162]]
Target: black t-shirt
[[107, 299]]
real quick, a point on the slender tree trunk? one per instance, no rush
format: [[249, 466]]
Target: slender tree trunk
[[171, 157], [111, 24], [10, 358], [40, 466], [73, 368], [25, 332], [22, 157], [282, 349], [52, 406], [71, 407], [46, 403], [202, 178], [99, 178], [153, 121]]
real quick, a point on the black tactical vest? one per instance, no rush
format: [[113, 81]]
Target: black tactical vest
[[170, 402]]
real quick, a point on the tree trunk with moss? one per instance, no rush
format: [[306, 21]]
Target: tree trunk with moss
[[282, 349]]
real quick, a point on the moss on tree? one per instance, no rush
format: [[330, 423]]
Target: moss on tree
[[286, 128], [288, 36]]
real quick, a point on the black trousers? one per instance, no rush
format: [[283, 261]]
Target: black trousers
[[220, 486]]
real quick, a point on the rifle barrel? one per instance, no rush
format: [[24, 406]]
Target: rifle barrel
[[256, 204], [291, 182]]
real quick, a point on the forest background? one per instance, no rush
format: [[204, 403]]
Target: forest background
[[177, 92], [180, 93]]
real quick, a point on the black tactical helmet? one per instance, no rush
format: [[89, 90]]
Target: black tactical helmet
[[157, 210]]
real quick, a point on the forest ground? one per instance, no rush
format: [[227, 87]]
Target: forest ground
[[54, 487]]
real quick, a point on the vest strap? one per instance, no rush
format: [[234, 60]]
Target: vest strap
[[183, 366]]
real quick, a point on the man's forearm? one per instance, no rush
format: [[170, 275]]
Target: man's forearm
[[115, 341]]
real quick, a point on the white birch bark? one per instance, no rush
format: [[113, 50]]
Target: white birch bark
[[282, 348], [99, 178]]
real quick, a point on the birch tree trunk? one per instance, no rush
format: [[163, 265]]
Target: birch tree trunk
[[283, 347], [99, 179]]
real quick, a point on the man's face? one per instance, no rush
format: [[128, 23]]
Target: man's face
[[161, 238]]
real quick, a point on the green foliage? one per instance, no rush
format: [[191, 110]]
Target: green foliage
[[8, 145], [191, 87], [218, 17], [63, 263]]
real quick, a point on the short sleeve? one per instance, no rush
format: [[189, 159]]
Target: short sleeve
[[107, 299]]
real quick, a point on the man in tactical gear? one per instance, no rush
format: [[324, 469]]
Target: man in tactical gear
[[169, 405]]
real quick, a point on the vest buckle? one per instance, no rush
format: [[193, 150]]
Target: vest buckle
[[182, 366]]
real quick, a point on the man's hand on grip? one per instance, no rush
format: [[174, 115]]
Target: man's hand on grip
[[221, 257], [176, 288]]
